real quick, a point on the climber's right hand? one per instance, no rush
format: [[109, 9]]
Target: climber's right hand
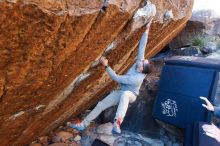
[[104, 61]]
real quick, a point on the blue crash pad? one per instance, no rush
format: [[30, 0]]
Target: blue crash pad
[[181, 84]]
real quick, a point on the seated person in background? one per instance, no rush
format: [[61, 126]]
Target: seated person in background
[[211, 130]]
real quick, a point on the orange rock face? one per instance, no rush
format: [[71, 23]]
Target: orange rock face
[[49, 52]]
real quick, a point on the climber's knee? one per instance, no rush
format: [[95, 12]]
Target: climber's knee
[[124, 97], [128, 97]]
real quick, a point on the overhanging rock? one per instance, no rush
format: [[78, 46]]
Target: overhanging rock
[[49, 52]]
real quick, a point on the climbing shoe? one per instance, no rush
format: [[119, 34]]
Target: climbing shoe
[[116, 126], [78, 126]]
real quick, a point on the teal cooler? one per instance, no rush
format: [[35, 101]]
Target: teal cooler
[[183, 80]]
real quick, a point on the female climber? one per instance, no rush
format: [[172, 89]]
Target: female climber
[[130, 84]]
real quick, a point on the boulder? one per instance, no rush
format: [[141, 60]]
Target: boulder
[[123, 139], [105, 128], [209, 19], [185, 51], [58, 144], [49, 51], [77, 138], [62, 136], [215, 55], [209, 47], [43, 140], [203, 22], [35, 144]]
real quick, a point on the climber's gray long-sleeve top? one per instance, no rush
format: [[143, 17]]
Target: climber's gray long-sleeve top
[[133, 79]]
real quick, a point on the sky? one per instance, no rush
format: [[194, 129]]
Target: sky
[[207, 4]]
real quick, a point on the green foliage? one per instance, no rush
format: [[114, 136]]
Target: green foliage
[[199, 41]]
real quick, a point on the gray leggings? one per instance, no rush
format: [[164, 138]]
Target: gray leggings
[[123, 98]]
